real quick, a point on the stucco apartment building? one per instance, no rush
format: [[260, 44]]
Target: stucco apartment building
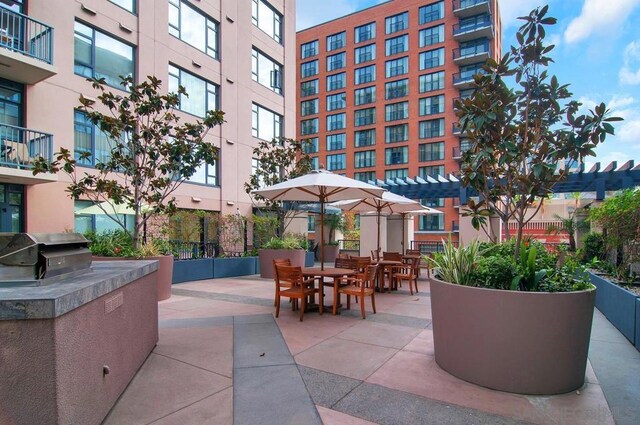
[[233, 55], [376, 92]]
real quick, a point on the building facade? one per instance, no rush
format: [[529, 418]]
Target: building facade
[[233, 55], [376, 92]]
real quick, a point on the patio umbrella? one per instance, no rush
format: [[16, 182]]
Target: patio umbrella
[[387, 204], [320, 186]]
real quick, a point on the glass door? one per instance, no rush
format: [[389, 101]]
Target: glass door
[[11, 208]]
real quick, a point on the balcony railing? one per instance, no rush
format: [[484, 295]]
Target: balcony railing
[[477, 5], [19, 147], [455, 128], [472, 51], [26, 35], [480, 23]]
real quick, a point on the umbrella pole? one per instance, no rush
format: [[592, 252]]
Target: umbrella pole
[[403, 215], [378, 247], [321, 233]]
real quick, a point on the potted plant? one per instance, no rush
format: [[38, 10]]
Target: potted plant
[[289, 247], [150, 153], [332, 247], [531, 334]]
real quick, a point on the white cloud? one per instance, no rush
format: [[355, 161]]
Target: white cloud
[[599, 16], [630, 71], [510, 10]]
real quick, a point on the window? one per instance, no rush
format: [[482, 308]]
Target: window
[[431, 82], [431, 171], [472, 23], [431, 223], [365, 32], [396, 89], [266, 124], [309, 126], [309, 69], [336, 121], [433, 35], [431, 12], [365, 95], [396, 133], [309, 107], [399, 155], [269, 20], [11, 105], [365, 176], [193, 27], [309, 49], [366, 74], [399, 173], [309, 88], [336, 61], [396, 67], [98, 222], [365, 117], [266, 71], [129, 5], [432, 128], [365, 53], [396, 45], [311, 223], [336, 41], [473, 47], [431, 152], [206, 174], [315, 164], [433, 203], [97, 55], [336, 162], [396, 111], [432, 58], [336, 101], [336, 81], [202, 94], [88, 138], [365, 138], [432, 105], [467, 72], [336, 142], [364, 159], [397, 22], [310, 145]]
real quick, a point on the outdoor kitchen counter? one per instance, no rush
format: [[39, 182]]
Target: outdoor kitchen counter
[[55, 299]]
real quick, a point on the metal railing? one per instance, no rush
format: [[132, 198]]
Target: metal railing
[[19, 147], [464, 52], [463, 4], [480, 22], [427, 247], [26, 35], [349, 244], [192, 250]]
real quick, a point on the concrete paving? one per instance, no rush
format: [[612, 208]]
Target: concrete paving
[[224, 359]]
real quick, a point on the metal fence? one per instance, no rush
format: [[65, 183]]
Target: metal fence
[[349, 244], [426, 247], [26, 35], [20, 146], [192, 250]]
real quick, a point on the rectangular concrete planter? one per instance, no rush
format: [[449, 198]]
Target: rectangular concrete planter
[[638, 324], [309, 259], [235, 266], [618, 305], [188, 270]]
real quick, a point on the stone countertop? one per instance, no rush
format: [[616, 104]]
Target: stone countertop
[[55, 299]]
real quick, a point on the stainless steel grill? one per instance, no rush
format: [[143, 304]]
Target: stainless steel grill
[[34, 259]]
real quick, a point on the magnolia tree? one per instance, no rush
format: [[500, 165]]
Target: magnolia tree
[[520, 138], [150, 153], [278, 160]]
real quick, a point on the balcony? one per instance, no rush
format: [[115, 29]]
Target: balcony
[[455, 129], [457, 151], [26, 48], [466, 8], [464, 80], [19, 147], [481, 27], [473, 54]]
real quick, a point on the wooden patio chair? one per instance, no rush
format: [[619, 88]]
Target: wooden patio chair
[[393, 256], [298, 288], [360, 287], [406, 271], [279, 262], [375, 254]]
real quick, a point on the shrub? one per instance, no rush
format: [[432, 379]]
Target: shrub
[[456, 265], [494, 272], [112, 243], [288, 242], [594, 247]]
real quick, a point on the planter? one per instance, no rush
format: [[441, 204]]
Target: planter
[[234, 266], [309, 259], [520, 342], [330, 253], [266, 256], [196, 269], [638, 324], [618, 305], [164, 275]]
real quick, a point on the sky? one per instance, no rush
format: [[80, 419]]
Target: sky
[[597, 52]]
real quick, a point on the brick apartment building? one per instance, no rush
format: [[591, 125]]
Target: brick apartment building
[[230, 55], [376, 91]]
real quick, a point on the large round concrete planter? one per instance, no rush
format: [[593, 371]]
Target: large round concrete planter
[[165, 272], [266, 257], [520, 342]]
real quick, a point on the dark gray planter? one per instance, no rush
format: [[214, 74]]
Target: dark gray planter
[[520, 342], [187, 270], [234, 266], [309, 259], [638, 324], [618, 305]]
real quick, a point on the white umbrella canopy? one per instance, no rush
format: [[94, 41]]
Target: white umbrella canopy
[[320, 186]]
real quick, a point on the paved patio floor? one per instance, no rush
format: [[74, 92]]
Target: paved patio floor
[[223, 358]]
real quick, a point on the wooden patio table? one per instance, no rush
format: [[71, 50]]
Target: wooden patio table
[[336, 274], [382, 265]]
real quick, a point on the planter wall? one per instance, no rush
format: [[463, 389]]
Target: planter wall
[[188, 270], [234, 266], [266, 257], [164, 275], [638, 324], [520, 342], [618, 305]]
